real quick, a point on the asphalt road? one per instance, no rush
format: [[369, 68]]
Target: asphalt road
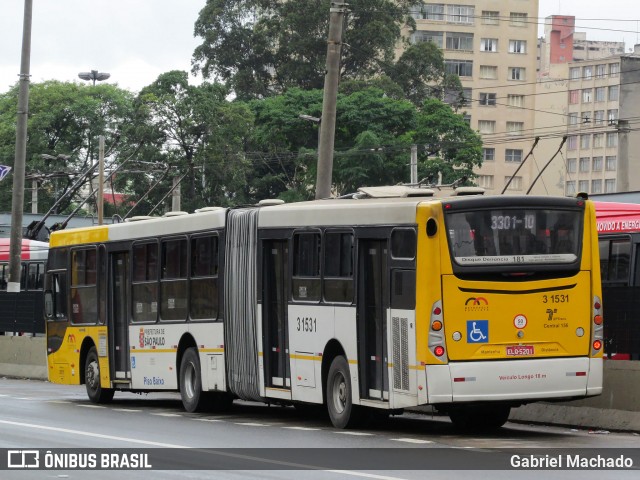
[[40, 415]]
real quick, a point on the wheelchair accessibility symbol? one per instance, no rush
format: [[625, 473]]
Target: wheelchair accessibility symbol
[[477, 331]]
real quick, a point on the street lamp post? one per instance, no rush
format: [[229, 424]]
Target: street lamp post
[[94, 75]]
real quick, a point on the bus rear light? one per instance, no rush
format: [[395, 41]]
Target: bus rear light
[[437, 311], [436, 325], [597, 345], [438, 351], [597, 305], [597, 319]]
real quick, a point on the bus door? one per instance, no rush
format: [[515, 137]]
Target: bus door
[[117, 323], [275, 280], [373, 294]]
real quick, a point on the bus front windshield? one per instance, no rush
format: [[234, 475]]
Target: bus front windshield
[[514, 236]]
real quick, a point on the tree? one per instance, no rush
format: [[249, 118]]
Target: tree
[[261, 47], [64, 119], [199, 135], [447, 145]]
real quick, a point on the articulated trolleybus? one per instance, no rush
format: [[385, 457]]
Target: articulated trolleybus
[[385, 300]]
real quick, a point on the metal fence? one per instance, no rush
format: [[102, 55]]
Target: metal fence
[[22, 312]]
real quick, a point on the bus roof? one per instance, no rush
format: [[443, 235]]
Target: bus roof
[[31, 249], [612, 217]]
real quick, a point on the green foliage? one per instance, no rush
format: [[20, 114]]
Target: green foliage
[[262, 47]]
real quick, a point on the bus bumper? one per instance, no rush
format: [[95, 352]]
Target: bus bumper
[[514, 380]]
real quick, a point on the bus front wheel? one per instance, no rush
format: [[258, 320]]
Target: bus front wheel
[[193, 398], [95, 392], [480, 417], [341, 410]]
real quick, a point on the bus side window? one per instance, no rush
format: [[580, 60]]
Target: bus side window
[[4, 273], [338, 267], [619, 261], [59, 287], [604, 259], [306, 266]]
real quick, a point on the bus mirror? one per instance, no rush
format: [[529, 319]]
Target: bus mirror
[[48, 303]]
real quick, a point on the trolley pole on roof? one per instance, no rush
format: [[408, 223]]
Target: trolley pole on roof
[[329, 100], [17, 201]]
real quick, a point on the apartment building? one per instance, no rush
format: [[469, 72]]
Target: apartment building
[[491, 45], [562, 44], [603, 139]]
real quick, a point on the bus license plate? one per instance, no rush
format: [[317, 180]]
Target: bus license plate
[[520, 350]]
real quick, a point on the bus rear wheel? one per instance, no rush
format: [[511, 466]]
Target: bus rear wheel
[[193, 398], [95, 392], [479, 417], [339, 395]]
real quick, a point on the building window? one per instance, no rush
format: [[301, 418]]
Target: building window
[[587, 72], [598, 117], [610, 163], [596, 186], [596, 165], [613, 92], [600, 94], [513, 155], [424, 36], [570, 188], [574, 73], [517, 73], [462, 68], [460, 14], [572, 142], [587, 95], [612, 116], [584, 164], [583, 185], [574, 97], [584, 141], [517, 46], [485, 181], [488, 44], [467, 119], [614, 69], [487, 126], [460, 41], [515, 128], [612, 139], [601, 71], [573, 118], [488, 154], [572, 164], [488, 99], [598, 140], [516, 183], [516, 101], [428, 11], [585, 117], [609, 185], [518, 19], [488, 72], [490, 17]]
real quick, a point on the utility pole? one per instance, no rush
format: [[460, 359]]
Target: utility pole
[[328, 124], [175, 195], [414, 164], [17, 201], [100, 195]]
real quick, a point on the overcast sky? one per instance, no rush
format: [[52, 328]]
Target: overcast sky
[[136, 40]]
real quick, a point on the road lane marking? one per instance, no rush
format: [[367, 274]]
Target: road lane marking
[[91, 406], [58, 401], [251, 424], [304, 429], [356, 434], [410, 440], [167, 414], [208, 420], [126, 410], [89, 434]]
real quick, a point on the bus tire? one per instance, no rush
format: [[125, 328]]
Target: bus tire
[[342, 412], [95, 392], [479, 418], [193, 398]]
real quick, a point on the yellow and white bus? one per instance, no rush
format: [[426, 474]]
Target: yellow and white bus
[[385, 300]]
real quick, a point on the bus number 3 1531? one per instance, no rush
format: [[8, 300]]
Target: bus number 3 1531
[[307, 324]]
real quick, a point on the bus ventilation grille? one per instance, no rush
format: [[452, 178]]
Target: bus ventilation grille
[[400, 331]]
